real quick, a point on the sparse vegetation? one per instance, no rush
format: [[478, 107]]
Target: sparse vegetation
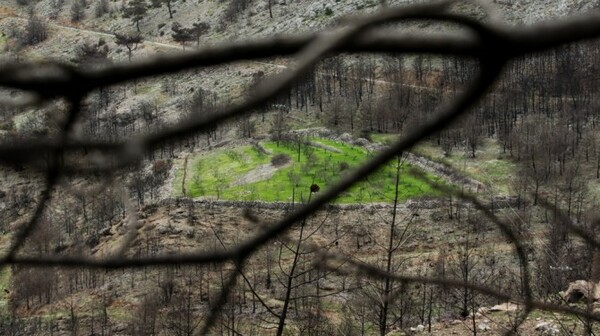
[[36, 30], [168, 3], [136, 11], [102, 7], [77, 10]]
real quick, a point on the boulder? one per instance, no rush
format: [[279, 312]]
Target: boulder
[[169, 228], [362, 142], [581, 290], [546, 328], [190, 232], [484, 327], [417, 329], [504, 307], [483, 310], [92, 241], [395, 333], [105, 232], [345, 137]]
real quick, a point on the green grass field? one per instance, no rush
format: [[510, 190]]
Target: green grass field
[[223, 174], [4, 285], [490, 166], [3, 41]]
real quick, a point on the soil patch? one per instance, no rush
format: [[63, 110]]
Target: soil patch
[[260, 173]]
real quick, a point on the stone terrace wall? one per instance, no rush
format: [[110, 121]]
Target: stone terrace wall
[[499, 202]]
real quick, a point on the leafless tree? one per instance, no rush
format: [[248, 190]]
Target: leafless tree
[[491, 47]]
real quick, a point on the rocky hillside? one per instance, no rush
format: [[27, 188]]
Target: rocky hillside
[[242, 18], [530, 11]]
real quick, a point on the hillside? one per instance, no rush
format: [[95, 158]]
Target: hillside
[[252, 18], [209, 229]]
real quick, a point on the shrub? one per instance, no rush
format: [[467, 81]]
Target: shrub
[[344, 165], [35, 32], [280, 160], [160, 167], [101, 8], [77, 11]]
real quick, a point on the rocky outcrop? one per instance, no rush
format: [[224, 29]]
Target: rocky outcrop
[[582, 290], [531, 11]]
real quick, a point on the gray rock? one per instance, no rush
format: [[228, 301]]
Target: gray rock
[[417, 329], [546, 328], [164, 229], [484, 327], [105, 232], [190, 233], [345, 137], [582, 290], [362, 142]]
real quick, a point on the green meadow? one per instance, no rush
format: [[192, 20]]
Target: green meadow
[[246, 173]]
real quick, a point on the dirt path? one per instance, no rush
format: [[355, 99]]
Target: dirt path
[[7, 13], [102, 34], [260, 173]]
